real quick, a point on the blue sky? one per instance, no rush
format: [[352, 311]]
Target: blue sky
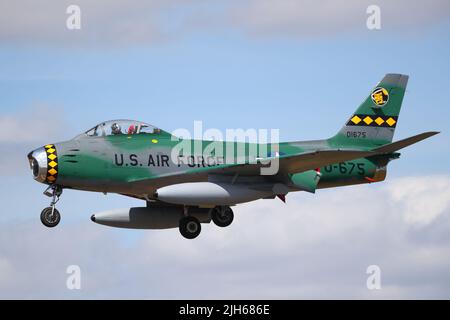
[[260, 73], [231, 81]]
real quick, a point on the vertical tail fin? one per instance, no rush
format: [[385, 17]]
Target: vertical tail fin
[[374, 122]]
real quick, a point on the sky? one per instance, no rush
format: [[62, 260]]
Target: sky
[[298, 66]]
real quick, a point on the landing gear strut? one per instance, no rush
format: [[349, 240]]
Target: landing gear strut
[[50, 216], [222, 216]]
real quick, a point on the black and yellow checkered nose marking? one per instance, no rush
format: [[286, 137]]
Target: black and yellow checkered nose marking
[[52, 163], [373, 121]]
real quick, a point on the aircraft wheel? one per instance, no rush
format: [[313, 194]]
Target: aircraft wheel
[[190, 227], [222, 216], [50, 219]]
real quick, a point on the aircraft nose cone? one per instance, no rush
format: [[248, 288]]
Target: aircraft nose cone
[[38, 164], [93, 218]]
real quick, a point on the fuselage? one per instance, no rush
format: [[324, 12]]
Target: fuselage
[[129, 164]]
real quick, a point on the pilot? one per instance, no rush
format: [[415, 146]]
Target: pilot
[[132, 129], [115, 129]]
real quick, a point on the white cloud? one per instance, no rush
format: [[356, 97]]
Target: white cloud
[[419, 203], [315, 246], [124, 23], [103, 22], [314, 18]]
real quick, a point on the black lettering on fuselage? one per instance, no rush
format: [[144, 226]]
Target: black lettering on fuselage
[[180, 160], [164, 160], [200, 161], [117, 161], [159, 160], [134, 162], [194, 161], [151, 161], [191, 161]]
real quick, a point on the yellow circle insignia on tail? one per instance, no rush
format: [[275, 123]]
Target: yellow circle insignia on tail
[[380, 96]]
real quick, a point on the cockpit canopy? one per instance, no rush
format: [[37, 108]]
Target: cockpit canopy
[[121, 127]]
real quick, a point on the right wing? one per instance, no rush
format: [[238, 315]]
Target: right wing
[[287, 164], [295, 163]]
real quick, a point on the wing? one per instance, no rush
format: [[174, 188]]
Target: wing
[[286, 164], [316, 159], [294, 163]]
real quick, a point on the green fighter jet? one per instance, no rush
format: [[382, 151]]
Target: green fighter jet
[[186, 182]]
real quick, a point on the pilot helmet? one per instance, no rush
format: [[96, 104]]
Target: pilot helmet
[[115, 128]]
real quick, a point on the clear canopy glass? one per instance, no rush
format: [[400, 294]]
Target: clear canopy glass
[[120, 127]]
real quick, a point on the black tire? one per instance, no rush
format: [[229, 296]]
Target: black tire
[[190, 227], [222, 217], [48, 219]]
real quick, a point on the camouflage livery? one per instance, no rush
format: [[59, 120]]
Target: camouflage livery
[[141, 161]]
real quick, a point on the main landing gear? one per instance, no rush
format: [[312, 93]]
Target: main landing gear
[[50, 216], [190, 226], [222, 216]]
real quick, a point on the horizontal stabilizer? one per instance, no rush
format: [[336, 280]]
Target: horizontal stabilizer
[[392, 147]]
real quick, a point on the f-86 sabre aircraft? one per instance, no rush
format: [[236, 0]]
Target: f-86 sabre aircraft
[[183, 190]]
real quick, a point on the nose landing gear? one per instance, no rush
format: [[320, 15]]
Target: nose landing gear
[[50, 216]]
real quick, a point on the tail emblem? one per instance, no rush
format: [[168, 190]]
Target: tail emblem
[[380, 96]]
